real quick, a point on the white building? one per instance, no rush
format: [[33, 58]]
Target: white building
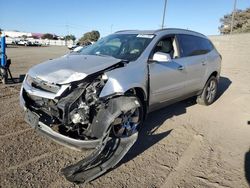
[[16, 34]]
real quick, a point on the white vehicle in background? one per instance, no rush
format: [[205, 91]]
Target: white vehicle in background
[[24, 43], [15, 41], [72, 46], [9, 41], [78, 48], [36, 43]]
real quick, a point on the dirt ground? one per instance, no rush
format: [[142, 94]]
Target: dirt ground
[[182, 145]]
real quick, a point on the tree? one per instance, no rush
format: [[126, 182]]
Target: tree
[[91, 36], [35, 37], [48, 36], [70, 37], [241, 22], [24, 36]]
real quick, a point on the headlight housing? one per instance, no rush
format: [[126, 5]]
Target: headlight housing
[[29, 80], [42, 85]]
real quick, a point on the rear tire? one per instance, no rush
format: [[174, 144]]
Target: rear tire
[[209, 92]]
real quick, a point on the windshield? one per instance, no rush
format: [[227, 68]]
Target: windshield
[[122, 46]]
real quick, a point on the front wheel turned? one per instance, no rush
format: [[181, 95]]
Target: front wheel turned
[[117, 124], [130, 117]]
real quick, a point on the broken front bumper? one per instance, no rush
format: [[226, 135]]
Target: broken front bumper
[[34, 121], [108, 150], [67, 141], [44, 129]]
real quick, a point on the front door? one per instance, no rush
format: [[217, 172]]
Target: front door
[[167, 79]]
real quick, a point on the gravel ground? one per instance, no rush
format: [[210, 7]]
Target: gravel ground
[[183, 145]]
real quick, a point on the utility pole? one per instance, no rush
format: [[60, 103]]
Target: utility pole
[[111, 28], [164, 12], [232, 21], [67, 29]]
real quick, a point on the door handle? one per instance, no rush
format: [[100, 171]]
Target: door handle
[[204, 62], [180, 67]]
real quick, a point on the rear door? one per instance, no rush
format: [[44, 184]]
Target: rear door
[[193, 53]]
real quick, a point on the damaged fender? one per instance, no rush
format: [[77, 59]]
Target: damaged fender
[[111, 150]]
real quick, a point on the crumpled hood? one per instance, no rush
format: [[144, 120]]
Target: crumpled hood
[[71, 68]]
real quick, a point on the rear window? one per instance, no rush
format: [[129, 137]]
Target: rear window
[[192, 45]]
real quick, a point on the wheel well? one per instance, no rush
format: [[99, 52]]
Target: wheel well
[[141, 95], [214, 74]]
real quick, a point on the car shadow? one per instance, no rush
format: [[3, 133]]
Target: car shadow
[[147, 138], [16, 80], [224, 84], [247, 166]]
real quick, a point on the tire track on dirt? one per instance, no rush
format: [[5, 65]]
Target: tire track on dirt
[[12, 121], [34, 159], [22, 147], [151, 167], [183, 163], [207, 182], [9, 106], [209, 169], [41, 171], [14, 133]]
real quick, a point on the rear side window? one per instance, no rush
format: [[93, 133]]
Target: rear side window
[[192, 45]]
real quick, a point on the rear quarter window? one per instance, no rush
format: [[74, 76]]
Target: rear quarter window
[[193, 45]]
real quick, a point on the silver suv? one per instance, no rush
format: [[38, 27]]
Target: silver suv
[[102, 93]]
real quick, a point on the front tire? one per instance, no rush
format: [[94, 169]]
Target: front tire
[[209, 92], [130, 118]]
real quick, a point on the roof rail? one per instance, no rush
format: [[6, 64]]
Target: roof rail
[[126, 30], [178, 29]]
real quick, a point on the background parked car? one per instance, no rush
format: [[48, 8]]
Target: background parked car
[[24, 43], [36, 43], [73, 46]]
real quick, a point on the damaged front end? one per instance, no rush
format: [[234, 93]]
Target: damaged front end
[[74, 115], [66, 117]]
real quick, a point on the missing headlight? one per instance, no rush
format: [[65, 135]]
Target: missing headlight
[[93, 90]]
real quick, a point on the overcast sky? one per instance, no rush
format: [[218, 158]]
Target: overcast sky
[[79, 16]]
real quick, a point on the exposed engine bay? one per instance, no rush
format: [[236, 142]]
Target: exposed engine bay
[[80, 106]]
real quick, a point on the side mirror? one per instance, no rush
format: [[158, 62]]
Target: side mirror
[[160, 57]]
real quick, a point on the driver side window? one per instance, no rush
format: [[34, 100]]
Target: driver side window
[[167, 45]]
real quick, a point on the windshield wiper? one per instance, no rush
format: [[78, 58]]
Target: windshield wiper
[[125, 61], [103, 55]]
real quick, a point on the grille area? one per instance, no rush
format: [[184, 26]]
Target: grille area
[[48, 106]]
